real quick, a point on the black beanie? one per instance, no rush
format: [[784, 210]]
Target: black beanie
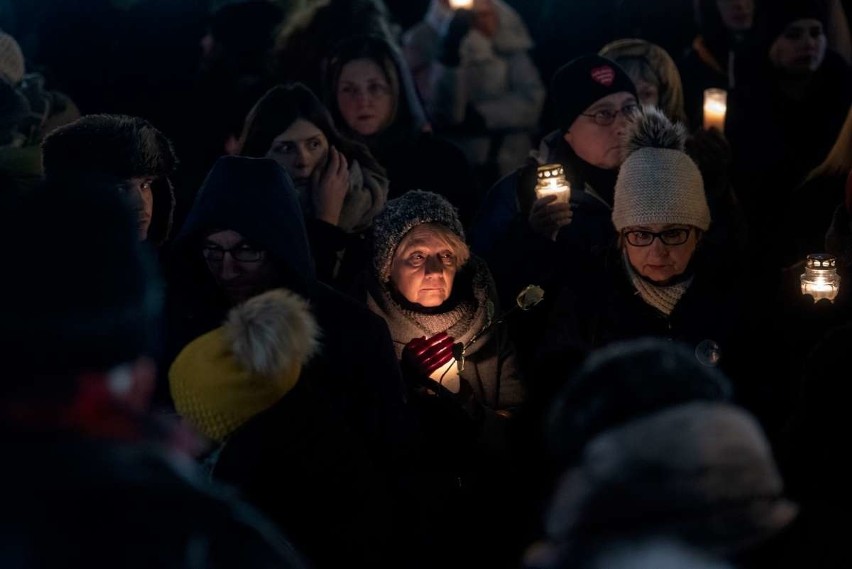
[[779, 14], [581, 82], [85, 292]]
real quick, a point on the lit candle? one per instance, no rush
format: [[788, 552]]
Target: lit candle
[[459, 4], [715, 107], [820, 279], [552, 182]]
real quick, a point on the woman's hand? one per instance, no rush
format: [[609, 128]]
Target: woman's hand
[[547, 217], [330, 185]]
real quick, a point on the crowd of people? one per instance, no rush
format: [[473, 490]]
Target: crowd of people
[[384, 284]]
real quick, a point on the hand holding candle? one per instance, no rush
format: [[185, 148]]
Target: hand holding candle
[[715, 107]]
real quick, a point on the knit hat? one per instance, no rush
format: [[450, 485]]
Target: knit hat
[[222, 379], [12, 66], [578, 84], [702, 472], [779, 14], [658, 182], [401, 215], [625, 380]]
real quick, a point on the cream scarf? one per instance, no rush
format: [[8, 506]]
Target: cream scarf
[[663, 298]]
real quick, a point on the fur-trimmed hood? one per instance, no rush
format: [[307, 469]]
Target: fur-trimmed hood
[[113, 149]]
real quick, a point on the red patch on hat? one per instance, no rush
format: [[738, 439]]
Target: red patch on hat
[[604, 75]]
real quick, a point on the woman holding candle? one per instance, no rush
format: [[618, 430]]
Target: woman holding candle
[[785, 123], [658, 280], [440, 306]]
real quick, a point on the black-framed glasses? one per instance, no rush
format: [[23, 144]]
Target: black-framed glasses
[[606, 117], [241, 253], [644, 238]]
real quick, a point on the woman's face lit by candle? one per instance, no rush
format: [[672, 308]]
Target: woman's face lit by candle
[[424, 267]]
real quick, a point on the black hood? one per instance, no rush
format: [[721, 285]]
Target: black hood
[[256, 198]]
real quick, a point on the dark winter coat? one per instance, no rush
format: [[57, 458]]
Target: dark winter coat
[[301, 464], [72, 502], [600, 305], [357, 365]]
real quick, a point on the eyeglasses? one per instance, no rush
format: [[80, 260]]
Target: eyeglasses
[[643, 238], [241, 253], [606, 117]]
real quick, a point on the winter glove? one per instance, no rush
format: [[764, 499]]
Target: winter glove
[[422, 356], [712, 154], [448, 50]]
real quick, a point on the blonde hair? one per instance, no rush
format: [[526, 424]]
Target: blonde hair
[[451, 239], [839, 159], [651, 63]]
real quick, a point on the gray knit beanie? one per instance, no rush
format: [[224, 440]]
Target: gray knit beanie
[[658, 182], [401, 215]]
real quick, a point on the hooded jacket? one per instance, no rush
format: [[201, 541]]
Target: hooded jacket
[[357, 365]]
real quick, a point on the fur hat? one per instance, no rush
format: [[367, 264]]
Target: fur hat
[[581, 82], [702, 472], [658, 182], [12, 66], [625, 380], [115, 148], [120, 145], [401, 215], [222, 379]]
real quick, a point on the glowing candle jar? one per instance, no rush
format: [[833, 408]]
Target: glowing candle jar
[[461, 4], [552, 182], [820, 279], [715, 107]]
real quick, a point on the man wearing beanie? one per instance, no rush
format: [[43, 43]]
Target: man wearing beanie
[[123, 152], [92, 478], [521, 236], [657, 280]]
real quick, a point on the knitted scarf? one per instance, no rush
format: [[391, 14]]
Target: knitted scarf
[[663, 298]]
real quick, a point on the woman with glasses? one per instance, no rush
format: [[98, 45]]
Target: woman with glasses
[[657, 280], [244, 236]]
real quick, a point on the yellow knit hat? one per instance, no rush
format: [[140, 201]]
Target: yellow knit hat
[[223, 378]]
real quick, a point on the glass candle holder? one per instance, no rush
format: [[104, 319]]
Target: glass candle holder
[[715, 107], [552, 182], [820, 279]]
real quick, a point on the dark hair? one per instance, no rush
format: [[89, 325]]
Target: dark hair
[[280, 107]]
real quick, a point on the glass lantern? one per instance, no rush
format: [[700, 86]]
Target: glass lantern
[[820, 279], [552, 182]]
